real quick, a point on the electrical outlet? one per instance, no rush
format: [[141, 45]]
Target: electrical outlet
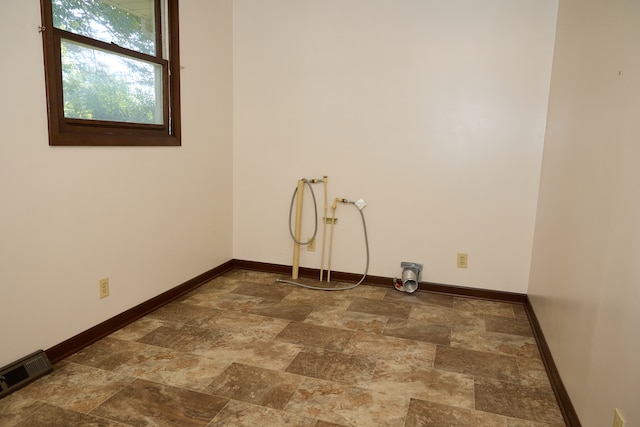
[[330, 220], [618, 421], [463, 258], [103, 286], [311, 247]]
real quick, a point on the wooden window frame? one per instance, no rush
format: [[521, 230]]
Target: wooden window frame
[[79, 132]]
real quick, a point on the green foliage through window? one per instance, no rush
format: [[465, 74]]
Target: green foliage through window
[[100, 85], [129, 24]]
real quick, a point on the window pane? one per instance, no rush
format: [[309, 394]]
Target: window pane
[[100, 85], [127, 23]]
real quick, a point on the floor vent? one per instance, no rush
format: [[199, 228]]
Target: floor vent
[[22, 372]]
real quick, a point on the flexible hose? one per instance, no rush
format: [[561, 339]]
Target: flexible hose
[[366, 270], [315, 207]]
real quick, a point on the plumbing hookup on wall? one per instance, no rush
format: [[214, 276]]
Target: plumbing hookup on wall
[[330, 221]]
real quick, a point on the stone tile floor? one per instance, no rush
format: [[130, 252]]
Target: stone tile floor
[[244, 350]]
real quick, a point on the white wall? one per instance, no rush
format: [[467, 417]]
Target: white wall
[[149, 218], [585, 273], [432, 111]]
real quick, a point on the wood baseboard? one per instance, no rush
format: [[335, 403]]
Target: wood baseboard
[[91, 335], [562, 396], [382, 281]]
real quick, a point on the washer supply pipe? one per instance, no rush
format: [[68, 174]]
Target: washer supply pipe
[[298, 231], [334, 206], [324, 227], [295, 235]]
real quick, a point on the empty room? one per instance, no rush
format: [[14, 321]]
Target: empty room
[[177, 177]]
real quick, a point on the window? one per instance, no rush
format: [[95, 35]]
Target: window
[[112, 71]]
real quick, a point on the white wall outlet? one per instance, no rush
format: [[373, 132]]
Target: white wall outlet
[[103, 286], [463, 259], [311, 247]]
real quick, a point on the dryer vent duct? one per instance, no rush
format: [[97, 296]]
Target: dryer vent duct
[[411, 272], [22, 372]]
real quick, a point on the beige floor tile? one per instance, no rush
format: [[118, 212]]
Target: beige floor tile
[[479, 306], [215, 286], [418, 330], [515, 422], [421, 298], [392, 349], [15, 408], [179, 312], [517, 401], [274, 291], [352, 320], [183, 338], [322, 423], [520, 311], [316, 298], [402, 379], [289, 310], [76, 387], [477, 363], [309, 335], [236, 276], [50, 415], [136, 330], [147, 403], [242, 414], [333, 366], [347, 405], [381, 308], [259, 386], [430, 414], [237, 322], [265, 353], [471, 338], [363, 291], [517, 326], [532, 372], [108, 353], [224, 301], [171, 367], [446, 316]]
